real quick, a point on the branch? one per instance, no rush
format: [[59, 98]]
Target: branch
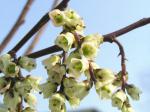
[[39, 33], [17, 25], [42, 22], [107, 38], [111, 36], [123, 66]]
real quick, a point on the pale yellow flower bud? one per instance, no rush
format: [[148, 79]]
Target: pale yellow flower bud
[[57, 17], [65, 41]]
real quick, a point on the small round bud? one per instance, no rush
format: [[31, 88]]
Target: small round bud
[[48, 89], [118, 99], [27, 63], [133, 91], [65, 41], [57, 17], [57, 103]]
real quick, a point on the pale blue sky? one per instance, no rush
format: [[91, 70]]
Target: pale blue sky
[[102, 16]]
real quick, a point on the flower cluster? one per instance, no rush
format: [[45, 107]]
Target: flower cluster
[[16, 88], [64, 82], [64, 70]]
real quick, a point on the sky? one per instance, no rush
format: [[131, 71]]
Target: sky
[[100, 16]]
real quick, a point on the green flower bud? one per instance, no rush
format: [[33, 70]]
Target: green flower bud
[[4, 59], [27, 63], [94, 38], [29, 109], [127, 108], [118, 99], [11, 100], [73, 21], [11, 70], [89, 50], [30, 99], [23, 87], [69, 82], [65, 41], [74, 54], [71, 14], [57, 17], [57, 103], [106, 91], [77, 66], [56, 73], [51, 61], [4, 85], [79, 90], [133, 91], [74, 102], [103, 77], [48, 89], [33, 81]]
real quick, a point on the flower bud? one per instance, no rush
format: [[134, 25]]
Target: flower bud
[[51, 61], [74, 54], [27, 63], [33, 81], [127, 108], [69, 82], [57, 17], [77, 66], [133, 91], [103, 77], [94, 38], [79, 90], [73, 21], [65, 41], [4, 59], [11, 70], [106, 91], [56, 73], [48, 89], [57, 103], [29, 109], [30, 99], [118, 99], [89, 50], [74, 102], [4, 85], [11, 100]]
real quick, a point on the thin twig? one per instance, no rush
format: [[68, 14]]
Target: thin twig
[[93, 78], [37, 27], [107, 38], [123, 65], [17, 25], [39, 33]]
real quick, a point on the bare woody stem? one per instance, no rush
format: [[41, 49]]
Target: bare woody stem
[[107, 38], [16, 26], [123, 65], [39, 33], [42, 22]]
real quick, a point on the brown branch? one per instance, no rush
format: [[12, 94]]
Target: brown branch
[[37, 27], [111, 36], [123, 65], [107, 38], [17, 25], [39, 33]]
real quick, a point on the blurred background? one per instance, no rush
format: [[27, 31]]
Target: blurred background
[[100, 16]]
